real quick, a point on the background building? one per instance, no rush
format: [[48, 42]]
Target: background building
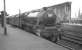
[[63, 11]]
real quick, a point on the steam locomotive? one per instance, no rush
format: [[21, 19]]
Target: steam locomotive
[[44, 26], [47, 23], [48, 27]]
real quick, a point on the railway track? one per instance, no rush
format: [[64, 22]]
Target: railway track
[[68, 44]]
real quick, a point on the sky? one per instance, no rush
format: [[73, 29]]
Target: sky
[[13, 6]]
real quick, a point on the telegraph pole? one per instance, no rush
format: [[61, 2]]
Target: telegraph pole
[[5, 29]]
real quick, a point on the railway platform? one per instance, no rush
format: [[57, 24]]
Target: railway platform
[[17, 39]]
